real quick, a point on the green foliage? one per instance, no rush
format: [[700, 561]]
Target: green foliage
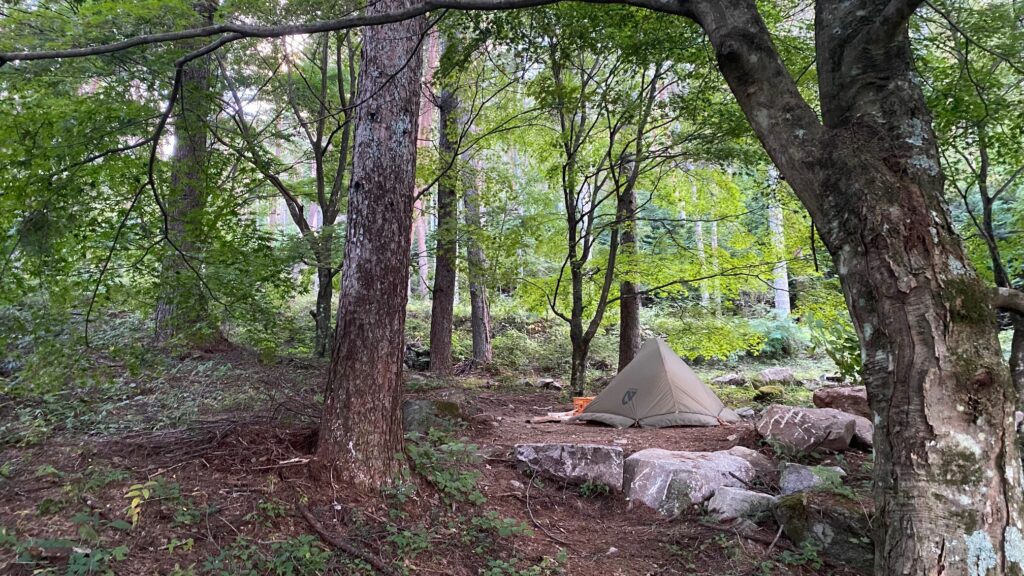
[[780, 338], [299, 556], [824, 312], [591, 489], [443, 462]]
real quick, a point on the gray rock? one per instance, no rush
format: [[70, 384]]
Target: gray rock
[[863, 433], [850, 399], [807, 428], [420, 415], [745, 412], [838, 526], [776, 377], [730, 380], [764, 467], [671, 481], [795, 478], [729, 503], [573, 463]]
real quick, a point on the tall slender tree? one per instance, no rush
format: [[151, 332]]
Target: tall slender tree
[[443, 302], [181, 308]]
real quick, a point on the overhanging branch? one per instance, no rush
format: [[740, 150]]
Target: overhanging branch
[[1008, 299]]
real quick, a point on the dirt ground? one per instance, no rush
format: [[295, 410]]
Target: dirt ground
[[238, 476]]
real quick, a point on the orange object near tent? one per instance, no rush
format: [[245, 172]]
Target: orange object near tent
[[580, 402]]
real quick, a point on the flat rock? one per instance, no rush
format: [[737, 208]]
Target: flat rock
[[745, 412], [776, 377], [850, 399], [573, 463], [730, 380], [795, 478], [669, 482], [807, 428], [730, 503]]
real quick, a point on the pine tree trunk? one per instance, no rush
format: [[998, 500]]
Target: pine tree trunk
[[361, 425], [443, 303], [480, 315], [629, 302], [181, 308]]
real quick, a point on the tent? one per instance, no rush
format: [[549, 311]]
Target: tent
[[657, 389]]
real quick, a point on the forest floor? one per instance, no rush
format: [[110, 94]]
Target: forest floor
[[208, 462]]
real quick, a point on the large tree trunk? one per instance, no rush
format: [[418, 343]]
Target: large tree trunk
[[480, 314], [361, 425], [629, 302], [443, 303], [947, 471], [181, 308]]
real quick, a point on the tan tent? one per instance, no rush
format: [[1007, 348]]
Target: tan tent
[[657, 389]]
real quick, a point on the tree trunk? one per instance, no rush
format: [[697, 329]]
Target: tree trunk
[[419, 230], [629, 302], [443, 303], [480, 315], [780, 272], [1017, 358], [947, 471], [361, 425], [181, 308], [322, 314]]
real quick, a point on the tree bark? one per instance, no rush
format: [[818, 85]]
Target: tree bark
[[443, 302], [629, 302], [322, 313], [181, 308], [480, 315], [947, 470], [361, 425]]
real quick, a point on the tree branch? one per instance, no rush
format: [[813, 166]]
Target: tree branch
[[1008, 299]]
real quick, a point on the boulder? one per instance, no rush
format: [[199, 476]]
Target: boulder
[[769, 393], [745, 412], [764, 467], [795, 478], [670, 481], [573, 463], [420, 415], [863, 433], [730, 503], [807, 428], [730, 380], [839, 527], [850, 399], [776, 377]]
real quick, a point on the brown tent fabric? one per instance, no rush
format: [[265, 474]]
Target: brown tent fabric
[[657, 389]]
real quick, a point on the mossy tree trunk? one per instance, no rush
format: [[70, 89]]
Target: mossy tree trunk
[[947, 471]]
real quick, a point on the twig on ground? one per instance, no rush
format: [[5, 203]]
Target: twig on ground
[[535, 522], [774, 542], [343, 545]]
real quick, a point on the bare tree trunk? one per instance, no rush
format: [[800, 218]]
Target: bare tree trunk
[[780, 272], [947, 471], [629, 302], [480, 315], [419, 231], [443, 303], [181, 308], [322, 313], [361, 425]]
